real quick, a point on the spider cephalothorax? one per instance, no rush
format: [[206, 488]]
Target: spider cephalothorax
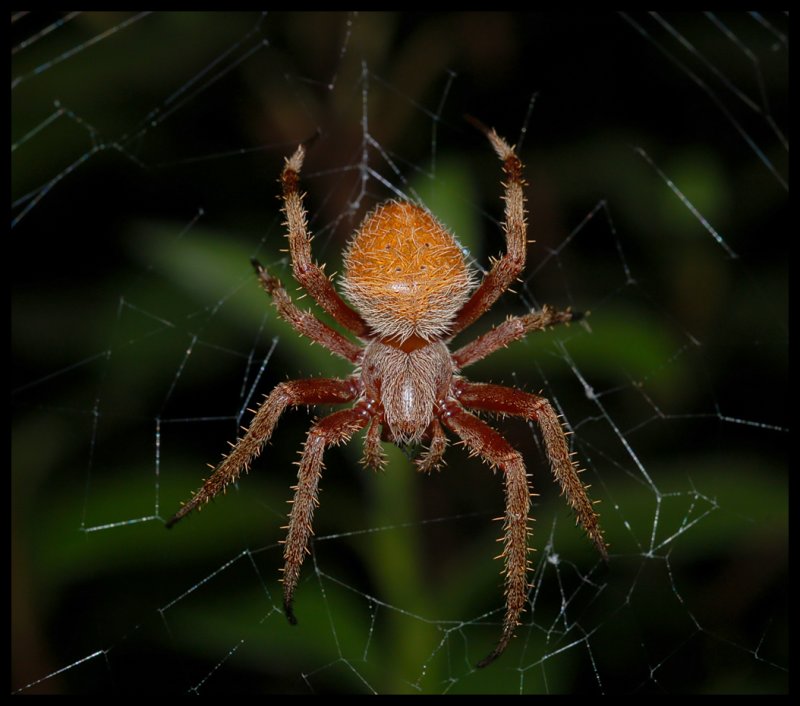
[[413, 292]]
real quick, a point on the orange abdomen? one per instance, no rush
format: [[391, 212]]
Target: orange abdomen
[[405, 272]]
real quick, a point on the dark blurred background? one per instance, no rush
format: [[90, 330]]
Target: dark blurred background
[[145, 152]]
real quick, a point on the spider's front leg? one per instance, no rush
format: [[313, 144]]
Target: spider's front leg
[[333, 429], [287, 394], [484, 441], [507, 400]]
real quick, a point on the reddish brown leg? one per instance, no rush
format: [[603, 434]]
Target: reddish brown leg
[[304, 321], [431, 460], [507, 400], [307, 272], [505, 269], [484, 441], [333, 429], [287, 394], [512, 329]]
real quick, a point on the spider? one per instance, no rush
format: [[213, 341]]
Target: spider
[[411, 292]]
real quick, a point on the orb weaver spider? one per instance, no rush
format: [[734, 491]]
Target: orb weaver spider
[[411, 292]]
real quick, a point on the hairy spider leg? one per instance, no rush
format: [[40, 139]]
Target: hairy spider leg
[[506, 268], [512, 329], [508, 400], [304, 322], [336, 428], [484, 441], [308, 273], [287, 394]]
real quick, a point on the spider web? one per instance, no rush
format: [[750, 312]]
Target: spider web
[[145, 151]]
